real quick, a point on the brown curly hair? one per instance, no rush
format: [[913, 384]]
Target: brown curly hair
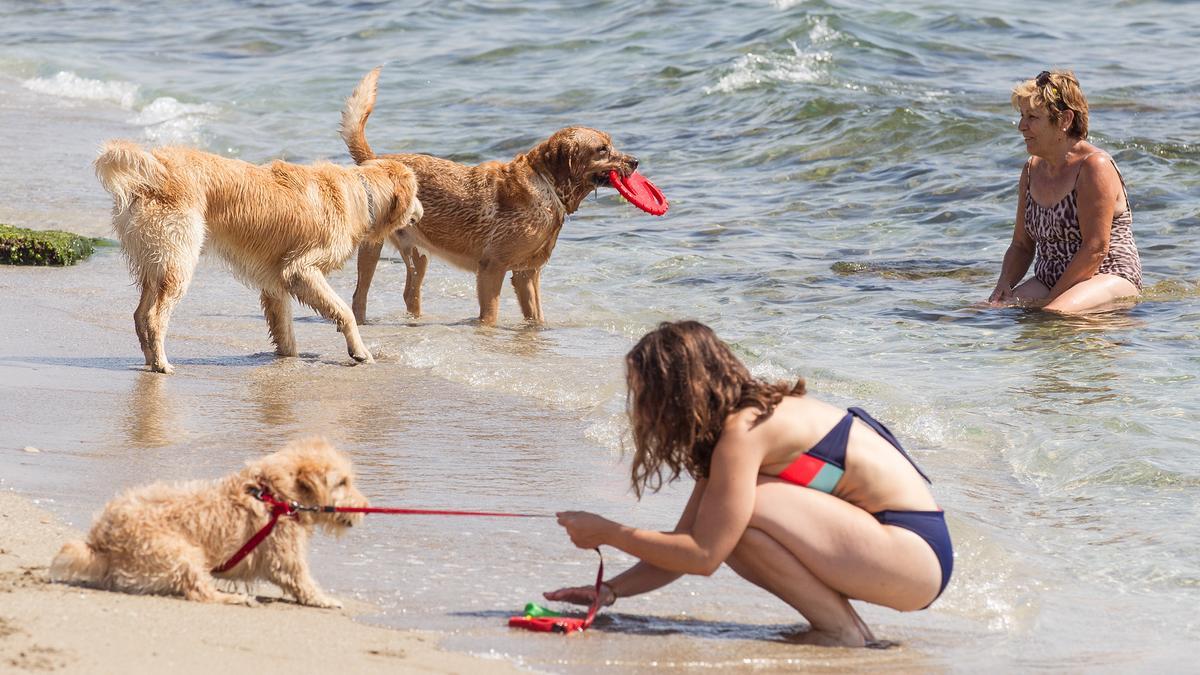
[[683, 382]]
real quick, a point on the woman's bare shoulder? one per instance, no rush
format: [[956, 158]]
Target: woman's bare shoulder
[[1096, 170]]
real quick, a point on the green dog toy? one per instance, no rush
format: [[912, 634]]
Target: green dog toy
[[532, 609]]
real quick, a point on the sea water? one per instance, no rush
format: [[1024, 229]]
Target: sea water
[[842, 178]]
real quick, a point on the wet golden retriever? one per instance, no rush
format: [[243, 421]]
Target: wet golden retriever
[[488, 219], [165, 539], [281, 228]]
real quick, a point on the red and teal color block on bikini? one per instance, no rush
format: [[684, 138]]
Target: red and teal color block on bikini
[[813, 472]]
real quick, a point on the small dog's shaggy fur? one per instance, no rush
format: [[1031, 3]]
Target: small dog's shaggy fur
[[166, 538], [487, 219], [281, 228]]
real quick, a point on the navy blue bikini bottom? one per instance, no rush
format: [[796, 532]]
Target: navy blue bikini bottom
[[930, 526]]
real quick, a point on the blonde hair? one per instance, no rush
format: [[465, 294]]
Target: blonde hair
[[1056, 92]]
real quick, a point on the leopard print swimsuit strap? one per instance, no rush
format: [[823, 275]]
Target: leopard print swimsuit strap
[[1057, 236]]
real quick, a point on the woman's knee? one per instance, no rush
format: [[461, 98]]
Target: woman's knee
[[1098, 292], [1031, 289], [751, 547]]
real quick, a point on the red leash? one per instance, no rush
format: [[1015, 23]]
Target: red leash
[[561, 624], [290, 509], [418, 512]]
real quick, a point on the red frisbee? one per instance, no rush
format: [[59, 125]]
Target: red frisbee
[[549, 624], [640, 192]]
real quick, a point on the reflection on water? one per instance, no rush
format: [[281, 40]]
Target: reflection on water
[[151, 419], [1073, 360]]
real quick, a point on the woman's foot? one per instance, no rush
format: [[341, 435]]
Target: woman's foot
[[851, 637]]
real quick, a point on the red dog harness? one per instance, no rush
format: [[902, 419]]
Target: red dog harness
[[278, 509]]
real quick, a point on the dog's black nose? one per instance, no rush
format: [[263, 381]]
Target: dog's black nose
[[634, 162]]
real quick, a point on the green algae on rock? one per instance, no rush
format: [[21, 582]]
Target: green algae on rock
[[20, 246]]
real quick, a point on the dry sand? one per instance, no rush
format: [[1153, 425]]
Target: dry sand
[[46, 627]]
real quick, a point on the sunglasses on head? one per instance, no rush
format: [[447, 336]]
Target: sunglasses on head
[[1043, 80]]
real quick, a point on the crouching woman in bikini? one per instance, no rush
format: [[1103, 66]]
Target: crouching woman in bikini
[[815, 504]]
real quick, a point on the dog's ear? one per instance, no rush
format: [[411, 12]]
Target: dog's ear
[[556, 158], [310, 485]]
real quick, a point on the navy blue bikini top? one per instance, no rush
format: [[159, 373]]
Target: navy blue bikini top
[[822, 467]]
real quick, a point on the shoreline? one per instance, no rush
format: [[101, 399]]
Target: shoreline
[[49, 627]]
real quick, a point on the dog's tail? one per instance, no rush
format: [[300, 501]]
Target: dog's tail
[[125, 169], [354, 117], [79, 563]]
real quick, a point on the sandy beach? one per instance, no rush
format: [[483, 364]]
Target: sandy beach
[[46, 627]]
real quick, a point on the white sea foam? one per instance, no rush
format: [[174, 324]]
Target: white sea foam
[[166, 120], [163, 120], [752, 70], [610, 432], [821, 33], [69, 85]]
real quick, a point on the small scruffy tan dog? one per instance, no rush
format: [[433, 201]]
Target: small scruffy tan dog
[[167, 538]]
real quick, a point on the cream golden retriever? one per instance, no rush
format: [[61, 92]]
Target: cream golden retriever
[[488, 219], [281, 228], [166, 538]]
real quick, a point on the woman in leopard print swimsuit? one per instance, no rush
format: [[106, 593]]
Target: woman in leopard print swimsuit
[[1081, 244]]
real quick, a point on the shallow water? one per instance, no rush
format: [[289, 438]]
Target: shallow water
[[842, 180]]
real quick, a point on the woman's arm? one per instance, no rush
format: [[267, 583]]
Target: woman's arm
[[1020, 252], [1096, 194], [723, 513], [642, 577]]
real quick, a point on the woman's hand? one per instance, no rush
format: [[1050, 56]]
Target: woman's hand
[[583, 595], [1001, 295], [587, 530]]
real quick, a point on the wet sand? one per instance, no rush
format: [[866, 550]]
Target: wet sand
[[71, 386]]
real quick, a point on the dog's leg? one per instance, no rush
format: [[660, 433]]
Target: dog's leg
[[289, 571], [310, 287], [416, 264], [183, 570], [171, 287], [537, 296], [526, 283], [489, 280], [278, 309], [141, 319], [168, 271], [368, 259]]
